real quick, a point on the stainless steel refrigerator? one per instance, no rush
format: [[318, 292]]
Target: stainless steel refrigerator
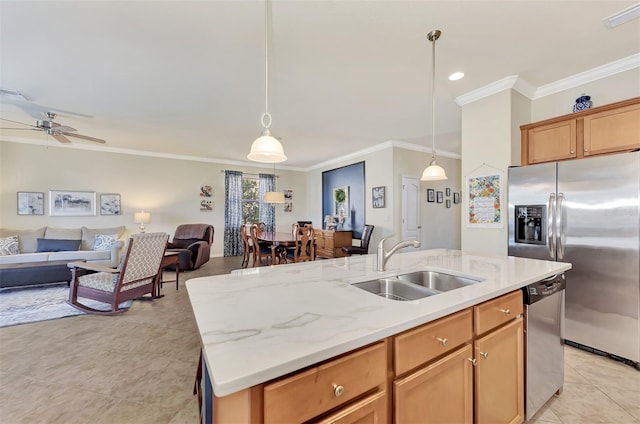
[[586, 212]]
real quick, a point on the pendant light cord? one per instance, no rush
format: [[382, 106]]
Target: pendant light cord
[[433, 96], [266, 114]]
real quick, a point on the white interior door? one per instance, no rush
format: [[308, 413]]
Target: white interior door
[[411, 208]]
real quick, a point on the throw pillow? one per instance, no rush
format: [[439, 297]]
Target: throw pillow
[[57, 245], [104, 241], [9, 246]]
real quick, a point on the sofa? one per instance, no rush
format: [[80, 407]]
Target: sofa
[[40, 255]]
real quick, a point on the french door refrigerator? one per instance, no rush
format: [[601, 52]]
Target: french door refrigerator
[[586, 212]]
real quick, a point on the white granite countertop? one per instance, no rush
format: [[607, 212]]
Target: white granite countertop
[[261, 323]]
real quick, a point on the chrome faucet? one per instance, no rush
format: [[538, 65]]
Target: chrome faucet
[[383, 256]]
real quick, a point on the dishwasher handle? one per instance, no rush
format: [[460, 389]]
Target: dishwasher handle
[[544, 288]]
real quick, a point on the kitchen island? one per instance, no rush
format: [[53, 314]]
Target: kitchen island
[[259, 324]]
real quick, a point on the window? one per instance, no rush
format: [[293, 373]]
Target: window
[[250, 200]]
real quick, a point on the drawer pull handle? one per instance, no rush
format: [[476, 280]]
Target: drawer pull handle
[[473, 361], [484, 354], [338, 390], [505, 311], [443, 341]]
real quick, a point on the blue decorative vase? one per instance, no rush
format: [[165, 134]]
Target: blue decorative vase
[[582, 103]]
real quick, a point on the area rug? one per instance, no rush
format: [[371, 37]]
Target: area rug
[[33, 304]]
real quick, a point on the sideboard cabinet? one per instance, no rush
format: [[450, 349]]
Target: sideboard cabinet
[[329, 243], [605, 129]]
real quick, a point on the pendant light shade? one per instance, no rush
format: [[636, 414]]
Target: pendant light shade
[[274, 197], [433, 172], [266, 148]]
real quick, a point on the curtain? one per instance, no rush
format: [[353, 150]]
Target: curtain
[[267, 182], [232, 213]]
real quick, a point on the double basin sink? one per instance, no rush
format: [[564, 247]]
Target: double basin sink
[[415, 285]]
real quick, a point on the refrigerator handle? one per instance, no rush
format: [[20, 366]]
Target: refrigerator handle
[[560, 226], [551, 207]]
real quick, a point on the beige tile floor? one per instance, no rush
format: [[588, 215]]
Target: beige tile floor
[[139, 367]]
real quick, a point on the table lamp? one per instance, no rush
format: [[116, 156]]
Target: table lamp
[[142, 218]]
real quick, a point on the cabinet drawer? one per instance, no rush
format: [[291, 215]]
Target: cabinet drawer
[[420, 345], [370, 410], [496, 312], [310, 393]]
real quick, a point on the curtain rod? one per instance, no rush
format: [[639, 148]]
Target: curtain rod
[[249, 173]]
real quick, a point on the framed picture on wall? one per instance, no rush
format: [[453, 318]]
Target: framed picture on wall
[[377, 196], [110, 204], [431, 195], [72, 203], [30, 203], [448, 203], [439, 197], [456, 198], [447, 192]]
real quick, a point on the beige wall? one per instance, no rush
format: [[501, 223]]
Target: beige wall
[[168, 188], [440, 225]]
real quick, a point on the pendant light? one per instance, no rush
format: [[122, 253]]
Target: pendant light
[[433, 172], [274, 196], [266, 148]]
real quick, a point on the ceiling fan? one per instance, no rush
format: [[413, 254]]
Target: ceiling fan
[[54, 129]]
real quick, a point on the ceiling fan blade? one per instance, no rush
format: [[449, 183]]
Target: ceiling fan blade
[[21, 123], [86, 137], [23, 129], [61, 138], [64, 128]]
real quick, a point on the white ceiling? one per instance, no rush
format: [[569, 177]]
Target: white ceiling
[[187, 77]]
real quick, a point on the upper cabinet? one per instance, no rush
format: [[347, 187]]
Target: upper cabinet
[[606, 129]]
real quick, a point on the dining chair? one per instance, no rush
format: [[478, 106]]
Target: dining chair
[[136, 276], [247, 244], [261, 250], [363, 249], [304, 249]]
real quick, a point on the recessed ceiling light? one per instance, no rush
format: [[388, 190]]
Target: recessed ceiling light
[[456, 76], [623, 16]]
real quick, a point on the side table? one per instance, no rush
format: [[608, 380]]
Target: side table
[[169, 259]]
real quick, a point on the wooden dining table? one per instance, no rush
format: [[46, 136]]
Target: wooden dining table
[[279, 241]]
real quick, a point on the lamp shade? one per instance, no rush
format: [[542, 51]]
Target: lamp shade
[[433, 172], [274, 197], [266, 149], [142, 217]]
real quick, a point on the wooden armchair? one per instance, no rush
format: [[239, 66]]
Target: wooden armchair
[[247, 244], [261, 251], [304, 249], [134, 277]]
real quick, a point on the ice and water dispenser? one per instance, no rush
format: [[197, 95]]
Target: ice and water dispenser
[[529, 225]]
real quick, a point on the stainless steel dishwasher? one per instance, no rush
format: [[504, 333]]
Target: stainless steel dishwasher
[[544, 341]]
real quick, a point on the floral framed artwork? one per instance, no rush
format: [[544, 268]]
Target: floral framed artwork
[[288, 200], [110, 204], [30, 203], [484, 202], [431, 195], [341, 201], [206, 190], [378, 197], [72, 203]]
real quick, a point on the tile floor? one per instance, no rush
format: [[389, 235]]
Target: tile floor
[[139, 367]]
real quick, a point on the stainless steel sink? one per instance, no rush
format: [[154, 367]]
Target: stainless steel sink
[[394, 289], [438, 281]]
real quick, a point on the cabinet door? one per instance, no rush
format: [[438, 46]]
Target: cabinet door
[[499, 382], [612, 130], [370, 410], [439, 393], [552, 142]]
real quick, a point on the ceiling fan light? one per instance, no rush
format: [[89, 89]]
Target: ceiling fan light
[[266, 149], [433, 172], [273, 197]]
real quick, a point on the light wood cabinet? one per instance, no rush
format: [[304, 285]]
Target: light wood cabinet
[[438, 393], [370, 410], [329, 243], [605, 129], [499, 375]]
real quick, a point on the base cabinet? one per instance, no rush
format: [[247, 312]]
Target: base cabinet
[[439, 393], [370, 410], [499, 375]]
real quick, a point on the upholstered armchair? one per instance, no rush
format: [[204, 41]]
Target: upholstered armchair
[[193, 244]]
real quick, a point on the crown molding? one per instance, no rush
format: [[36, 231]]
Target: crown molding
[[525, 88]]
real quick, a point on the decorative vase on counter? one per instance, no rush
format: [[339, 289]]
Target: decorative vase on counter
[[582, 103]]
